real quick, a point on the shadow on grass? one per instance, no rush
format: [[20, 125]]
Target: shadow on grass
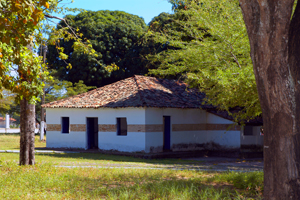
[[153, 187], [116, 158]]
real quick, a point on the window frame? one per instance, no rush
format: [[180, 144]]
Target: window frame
[[122, 129], [63, 124]]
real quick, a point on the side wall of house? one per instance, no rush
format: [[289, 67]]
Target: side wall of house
[[135, 138], [107, 132], [55, 138], [254, 141], [191, 129]]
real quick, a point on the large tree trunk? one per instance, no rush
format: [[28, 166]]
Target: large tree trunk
[[27, 128], [275, 52]]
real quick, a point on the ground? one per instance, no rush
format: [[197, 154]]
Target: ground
[[100, 176]]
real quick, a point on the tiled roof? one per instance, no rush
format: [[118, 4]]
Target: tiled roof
[[143, 91], [136, 91]]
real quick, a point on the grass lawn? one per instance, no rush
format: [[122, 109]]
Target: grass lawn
[[46, 180], [12, 142]]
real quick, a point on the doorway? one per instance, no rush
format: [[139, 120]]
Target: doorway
[[92, 132], [167, 132]]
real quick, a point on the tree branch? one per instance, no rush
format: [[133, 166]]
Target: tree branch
[[51, 16], [235, 59], [54, 17]]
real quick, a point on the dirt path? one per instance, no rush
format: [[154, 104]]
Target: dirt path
[[205, 164]]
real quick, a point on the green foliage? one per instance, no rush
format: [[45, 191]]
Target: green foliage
[[114, 36], [22, 28], [208, 48], [9, 105], [6, 102], [19, 21], [57, 89]]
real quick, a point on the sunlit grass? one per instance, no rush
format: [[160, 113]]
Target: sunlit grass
[[47, 181], [98, 159], [12, 142]]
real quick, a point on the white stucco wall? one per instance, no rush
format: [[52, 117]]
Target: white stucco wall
[[134, 141], [154, 116], [143, 141], [56, 139], [226, 139], [214, 119], [255, 139], [154, 140]]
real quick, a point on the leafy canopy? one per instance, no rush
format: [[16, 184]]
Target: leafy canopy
[[208, 48], [114, 36], [18, 21], [56, 89], [22, 28]]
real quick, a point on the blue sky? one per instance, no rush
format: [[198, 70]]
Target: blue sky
[[146, 9]]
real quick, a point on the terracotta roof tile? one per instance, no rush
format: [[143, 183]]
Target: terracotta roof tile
[[136, 91], [143, 91]]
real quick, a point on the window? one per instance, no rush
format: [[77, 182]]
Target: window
[[65, 124], [121, 126], [248, 130]]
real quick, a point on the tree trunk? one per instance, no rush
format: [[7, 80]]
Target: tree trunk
[[27, 128], [275, 42]]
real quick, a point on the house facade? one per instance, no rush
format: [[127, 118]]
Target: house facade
[[143, 114]]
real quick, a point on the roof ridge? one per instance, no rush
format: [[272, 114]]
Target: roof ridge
[[139, 87]]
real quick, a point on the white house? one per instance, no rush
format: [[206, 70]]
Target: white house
[[144, 114]]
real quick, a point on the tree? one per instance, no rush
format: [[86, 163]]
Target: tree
[[20, 67], [114, 35], [56, 90], [6, 102], [273, 30], [207, 46], [18, 22]]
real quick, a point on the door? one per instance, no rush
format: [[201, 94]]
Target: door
[[92, 132], [167, 132]]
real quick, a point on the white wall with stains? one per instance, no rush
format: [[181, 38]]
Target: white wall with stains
[[106, 140], [256, 139], [191, 139], [148, 141]]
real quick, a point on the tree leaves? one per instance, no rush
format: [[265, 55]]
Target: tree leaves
[[208, 47], [21, 30], [20, 68], [114, 36]]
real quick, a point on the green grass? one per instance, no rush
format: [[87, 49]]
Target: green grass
[[98, 159], [12, 142], [47, 180]]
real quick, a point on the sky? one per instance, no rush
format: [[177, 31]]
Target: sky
[[146, 9]]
